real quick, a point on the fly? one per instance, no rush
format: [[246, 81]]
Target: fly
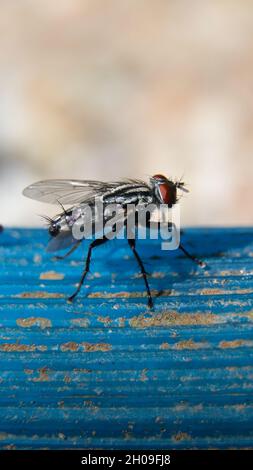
[[75, 193]]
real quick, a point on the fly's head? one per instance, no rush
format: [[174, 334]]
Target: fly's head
[[54, 229], [166, 190]]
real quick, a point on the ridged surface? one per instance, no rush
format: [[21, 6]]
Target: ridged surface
[[106, 372]]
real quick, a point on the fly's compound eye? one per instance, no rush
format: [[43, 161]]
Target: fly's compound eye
[[165, 190], [54, 230]]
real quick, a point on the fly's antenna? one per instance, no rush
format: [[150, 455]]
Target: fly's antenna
[[63, 208], [47, 219], [181, 185]]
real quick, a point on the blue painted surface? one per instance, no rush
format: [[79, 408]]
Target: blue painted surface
[[106, 372]]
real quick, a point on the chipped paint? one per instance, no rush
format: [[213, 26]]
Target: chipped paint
[[185, 344], [70, 346], [17, 347], [236, 343], [190, 344], [39, 295], [181, 436], [105, 320], [93, 347], [52, 276], [43, 375], [82, 322], [212, 291], [128, 294], [28, 322], [122, 322], [174, 318], [85, 347]]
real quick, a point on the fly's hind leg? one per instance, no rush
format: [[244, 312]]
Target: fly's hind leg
[[93, 244]]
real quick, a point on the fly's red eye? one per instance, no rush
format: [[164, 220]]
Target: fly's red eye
[[165, 189], [167, 194], [159, 178]]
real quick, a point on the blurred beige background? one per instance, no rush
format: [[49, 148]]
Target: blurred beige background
[[104, 89]]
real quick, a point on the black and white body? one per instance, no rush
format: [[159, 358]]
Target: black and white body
[[76, 193]]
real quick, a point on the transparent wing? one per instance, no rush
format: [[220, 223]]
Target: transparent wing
[[62, 191], [64, 240], [77, 191]]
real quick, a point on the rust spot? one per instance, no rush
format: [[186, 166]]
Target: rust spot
[[190, 344], [174, 318], [164, 346], [17, 347], [181, 436], [70, 346], [105, 320], [43, 375], [237, 343], [28, 371], [34, 321], [39, 295], [52, 276], [83, 322], [93, 347]]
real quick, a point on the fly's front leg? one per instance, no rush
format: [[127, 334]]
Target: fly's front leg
[[144, 274], [68, 252], [193, 258], [95, 243]]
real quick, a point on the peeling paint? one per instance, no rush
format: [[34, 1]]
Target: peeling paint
[[190, 344], [82, 322], [105, 320], [128, 294], [122, 322], [52, 276], [237, 343], [164, 346], [39, 295], [212, 291], [17, 347], [43, 375], [34, 321], [70, 346], [181, 436], [174, 318], [93, 347], [86, 347]]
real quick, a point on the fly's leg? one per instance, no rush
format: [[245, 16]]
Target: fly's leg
[[68, 252], [193, 258], [144, 274], [93, 244]]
